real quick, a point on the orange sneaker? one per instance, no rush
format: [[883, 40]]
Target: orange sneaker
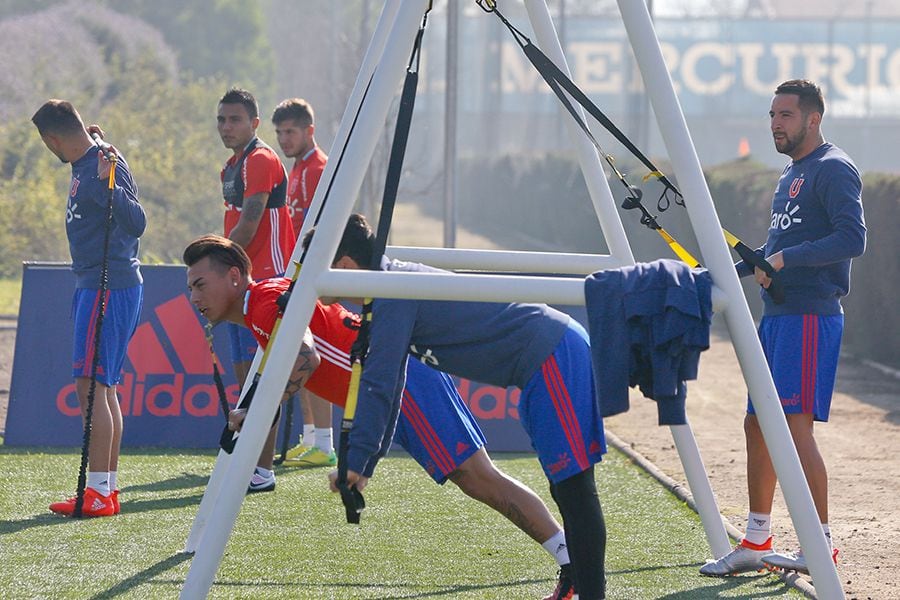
[[114, 496], [95, 505]]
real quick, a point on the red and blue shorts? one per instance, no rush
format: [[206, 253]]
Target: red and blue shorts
[[559, 410], [802, 352], [120, 319], [435, 426]]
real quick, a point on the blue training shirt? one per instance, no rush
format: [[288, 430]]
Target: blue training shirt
[[86, 224], [495, 343], [817, 224]]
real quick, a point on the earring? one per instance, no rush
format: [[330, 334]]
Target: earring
[[234, 283]]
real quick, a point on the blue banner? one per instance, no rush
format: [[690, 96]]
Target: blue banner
[[167, 393]]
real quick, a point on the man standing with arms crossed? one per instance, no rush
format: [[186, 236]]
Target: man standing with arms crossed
[[294, 122], [816, 228], [254, 185], [63, 132]]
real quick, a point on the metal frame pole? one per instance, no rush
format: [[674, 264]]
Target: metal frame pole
[[373, 55], [611, 223], [705, 222], [285, 347]]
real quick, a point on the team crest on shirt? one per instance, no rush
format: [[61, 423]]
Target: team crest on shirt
[[74, 189], [794, 190]]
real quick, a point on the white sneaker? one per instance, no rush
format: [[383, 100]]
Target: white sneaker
[[792, 561], [260, 482], [742, 559]]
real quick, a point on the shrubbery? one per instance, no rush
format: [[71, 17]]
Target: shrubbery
[[119, 72]]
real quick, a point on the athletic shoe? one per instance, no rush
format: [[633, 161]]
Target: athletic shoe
[[290, 458], [114, 496], [261, 483], [745, 557], [565, 586], [315, 458], [792, 561], [95, 505]]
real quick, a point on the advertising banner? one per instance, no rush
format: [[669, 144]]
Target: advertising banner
[[167, 394]]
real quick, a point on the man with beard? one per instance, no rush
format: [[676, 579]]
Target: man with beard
[[816, 228]]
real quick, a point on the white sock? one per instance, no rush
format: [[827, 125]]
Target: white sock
[[324, 440], [113, 480], [827, 531], [99, 481], [557, 548], [309, 435], [759, 528]]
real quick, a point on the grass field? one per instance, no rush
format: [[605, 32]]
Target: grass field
[[10, 293], [417, 540]]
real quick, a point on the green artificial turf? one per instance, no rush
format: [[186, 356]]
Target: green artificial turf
[[416, 540]]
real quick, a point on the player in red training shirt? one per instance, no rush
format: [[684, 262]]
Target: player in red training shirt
[[294, 122], [254, 187]]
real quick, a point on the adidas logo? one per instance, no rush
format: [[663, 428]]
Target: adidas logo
[[170, 370], [97, 505]]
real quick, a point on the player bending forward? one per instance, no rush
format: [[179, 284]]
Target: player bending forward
[[435, 427]]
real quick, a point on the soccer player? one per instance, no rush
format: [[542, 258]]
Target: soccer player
[[435, 426], [816, 228], [254, 186], [63, 132], [295, 127], [540, 350]]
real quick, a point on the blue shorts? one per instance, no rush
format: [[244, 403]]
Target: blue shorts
[[243, 344], [435, 426], [120, 319], [802, 352], [559, 409]]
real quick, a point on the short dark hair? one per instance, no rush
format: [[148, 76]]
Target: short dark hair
[[358, 241], [222, 252], [57, 117], [239, 96], [296, 109], [809, 94]]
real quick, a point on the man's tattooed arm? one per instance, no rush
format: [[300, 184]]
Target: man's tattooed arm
[[307, 362]]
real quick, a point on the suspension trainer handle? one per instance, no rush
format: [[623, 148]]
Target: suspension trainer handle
[[776, 288], [351, 497]]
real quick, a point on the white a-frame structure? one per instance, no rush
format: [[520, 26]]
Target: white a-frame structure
[[383, 68]]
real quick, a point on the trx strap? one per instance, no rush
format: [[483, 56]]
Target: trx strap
[[109, 155], [350, 496], [559, 81], [217, 372]]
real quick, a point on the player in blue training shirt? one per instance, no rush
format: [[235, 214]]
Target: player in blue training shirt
[[63, 132], [816, 228], [531, 346]]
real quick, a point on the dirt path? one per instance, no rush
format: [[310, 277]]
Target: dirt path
[[860, 444]]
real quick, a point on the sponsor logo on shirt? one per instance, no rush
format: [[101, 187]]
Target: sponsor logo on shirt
[[784, 220]]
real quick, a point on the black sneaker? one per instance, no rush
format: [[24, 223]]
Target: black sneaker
[[565, 586], [261, 483]]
